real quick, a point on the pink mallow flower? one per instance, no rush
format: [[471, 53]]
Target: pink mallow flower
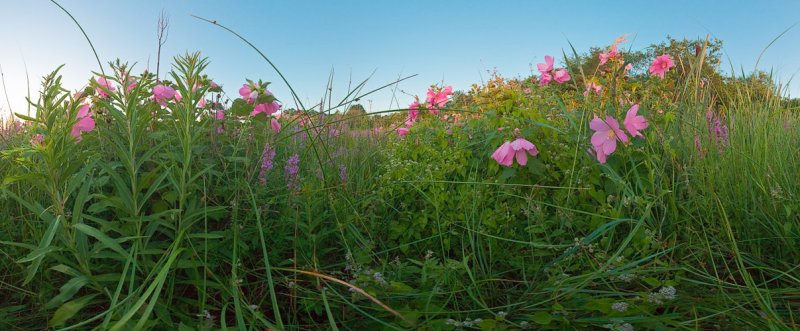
[[104, 83], [85, 123], [249, 93], [402, 132], [437, 100], [605, 56], [604, 140], [162, 93], [219, 115], [545, 78], [266, 108], [561, 76], [413, 111], [276, 126], [131, 84], [519, 149], [661, 65], [547, 66], [634, 123]]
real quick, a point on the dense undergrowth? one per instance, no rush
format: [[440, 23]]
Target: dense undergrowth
[[145, 203]]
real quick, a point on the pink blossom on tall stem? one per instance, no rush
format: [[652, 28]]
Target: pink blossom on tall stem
[[634, 122], [545, 78], [604, 140], [85, 123], [266, 108], [413, 111], [276, 126], [219, 115], [561, 76], [548, 74], [605, 56], [661, 65], [519, 149], [162, 93], [212, 84], [131, 84], [547, 66], [104, 83], [248, 93], [201, 103], [438, 99]]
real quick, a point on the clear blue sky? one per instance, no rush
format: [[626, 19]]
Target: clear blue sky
[[454, 42]]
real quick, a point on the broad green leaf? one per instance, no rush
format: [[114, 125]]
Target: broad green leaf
[[102, 237], [69, 309], [542, 318]]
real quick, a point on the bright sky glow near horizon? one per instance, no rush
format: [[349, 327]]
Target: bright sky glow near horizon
[[454, 42]]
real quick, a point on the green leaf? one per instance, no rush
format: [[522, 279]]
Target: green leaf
[[507, 173], [27, 118], [67, 291], [102, 237], [69, 309], [542, 318], [44, 247]]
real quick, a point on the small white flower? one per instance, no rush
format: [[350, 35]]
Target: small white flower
[[620, 306], [668, 292]]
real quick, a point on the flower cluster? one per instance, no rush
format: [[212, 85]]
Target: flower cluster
[[608, 132], [105, 87], [163, 93], [518, 149], [84, 123], [266, 163], [666, 293], [548, 74], [717, 129], [292, 167], [251, 92], [612, 54], [437, 99]]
